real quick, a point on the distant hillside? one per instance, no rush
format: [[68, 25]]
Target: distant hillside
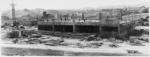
[[20, 13], [135, 16], [37, 13]]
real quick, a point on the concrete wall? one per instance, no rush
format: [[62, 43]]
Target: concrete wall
[[68, 23]]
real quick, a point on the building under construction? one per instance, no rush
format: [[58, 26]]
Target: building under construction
[[107, 23]]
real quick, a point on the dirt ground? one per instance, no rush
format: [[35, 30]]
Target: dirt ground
[[9, 49]]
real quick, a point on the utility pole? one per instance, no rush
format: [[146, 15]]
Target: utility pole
[[13, 12]]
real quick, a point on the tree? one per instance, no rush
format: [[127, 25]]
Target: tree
[[26, 10], [146, 10], [33, 23], [5, 18], [15, 23]]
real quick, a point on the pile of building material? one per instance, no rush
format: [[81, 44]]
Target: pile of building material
[[36, 35], [135, 41], [97, 44], [15, 41], [133, 52], [114, 45], [54, 42], [26, 33], [66, 35], [144, 38], [91, 38], [42, 39]]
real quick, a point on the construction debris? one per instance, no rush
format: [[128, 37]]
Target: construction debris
[[133, 51], [144, 38], [111, 39], [92, 38], [134, 41], [118, 41], [114, 45], [137, 43], [79, 45], [97, 44], [36, 35], [51, 43], [64, 44], [15, 41], [26, 33]]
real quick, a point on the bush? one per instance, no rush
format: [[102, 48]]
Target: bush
[[16, 23], [33, 23]]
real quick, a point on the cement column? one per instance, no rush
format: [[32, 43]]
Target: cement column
[[20, 34], [120, 18], [83, 17], [73, 20], [100, 16], [53, 25], [63, 29]]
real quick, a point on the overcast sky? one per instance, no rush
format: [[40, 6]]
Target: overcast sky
[[67, 4]]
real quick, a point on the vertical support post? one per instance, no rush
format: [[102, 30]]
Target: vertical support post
[[47, 20], [47, 17], [73, 20], [120, 18], [63, 29], [83, 17], [20, 33], [53, 25], [100, 17]]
